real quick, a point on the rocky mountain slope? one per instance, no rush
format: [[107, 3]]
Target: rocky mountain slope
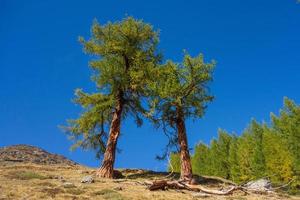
[[31, 154]]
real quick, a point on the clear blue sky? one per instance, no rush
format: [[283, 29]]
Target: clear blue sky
[[256, 44]]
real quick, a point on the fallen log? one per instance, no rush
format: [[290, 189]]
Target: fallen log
[[177, 185], [158, 185], [260, 186]]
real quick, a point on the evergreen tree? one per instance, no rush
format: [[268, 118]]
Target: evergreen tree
[[224, 141], [180, 92], [219, 152], [244, 155], [287, 125], [233, 159], [215, 161], [201, 160], [278, 158], [250, 152], [258, 158], [124, 58]]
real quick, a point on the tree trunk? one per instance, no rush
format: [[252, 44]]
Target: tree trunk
[[185, 160], [107, 168]]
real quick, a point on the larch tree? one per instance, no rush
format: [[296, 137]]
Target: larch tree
[[278, 159], [258, 159], [180, 92], [287, 125], [233, 159], [250, 152], [201, 162], [124, 55], [219, 152], [244, 155]]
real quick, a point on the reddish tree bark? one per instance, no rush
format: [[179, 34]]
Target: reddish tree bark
[[107, 168], [185, 160]]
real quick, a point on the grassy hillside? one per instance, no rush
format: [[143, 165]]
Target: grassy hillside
[[32, 181]]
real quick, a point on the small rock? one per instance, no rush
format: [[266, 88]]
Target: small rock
[[118, 188], [87, 179], [260, 184], [68, 185]]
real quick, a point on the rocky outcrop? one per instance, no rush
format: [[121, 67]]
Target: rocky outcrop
[[31, 154]]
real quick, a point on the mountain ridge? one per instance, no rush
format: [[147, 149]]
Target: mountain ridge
[[23, 153]]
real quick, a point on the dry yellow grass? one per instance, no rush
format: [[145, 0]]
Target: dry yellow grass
[[29, 181]]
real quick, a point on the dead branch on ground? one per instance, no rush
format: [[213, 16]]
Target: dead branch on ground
[[182, 185]]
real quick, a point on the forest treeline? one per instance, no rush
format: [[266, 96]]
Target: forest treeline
[[269, 150]]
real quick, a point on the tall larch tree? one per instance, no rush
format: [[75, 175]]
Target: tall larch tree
[[244, 156], [220, 153], [201, 160], [258, 158], [182, 91], [287, 125], [278, 159], [233, 159], [124, 55]]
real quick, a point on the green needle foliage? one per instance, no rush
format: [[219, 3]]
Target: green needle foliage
[[182, 85], [201, 161], [234, 164], [174, 164], [287, 126], [219, 153], [123, 58], [185, 84]]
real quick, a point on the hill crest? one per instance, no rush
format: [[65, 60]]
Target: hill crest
[[22, 153]]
